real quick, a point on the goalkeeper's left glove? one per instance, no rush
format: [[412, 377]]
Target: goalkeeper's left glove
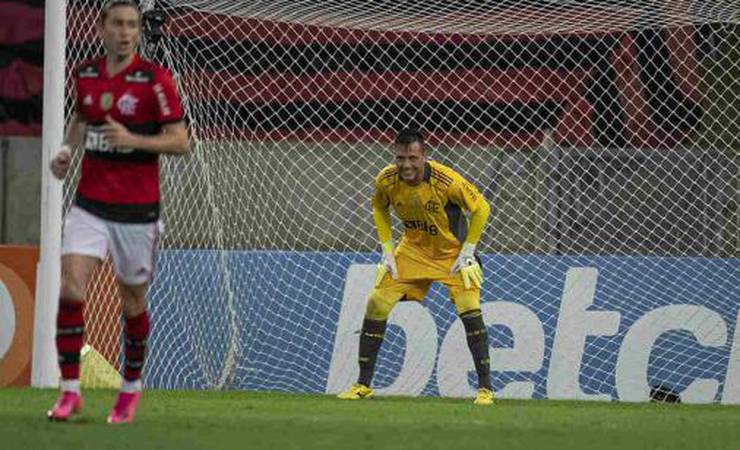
[[468, 266]]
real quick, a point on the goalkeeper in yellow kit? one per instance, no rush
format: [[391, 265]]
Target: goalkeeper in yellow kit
[[438, 244]]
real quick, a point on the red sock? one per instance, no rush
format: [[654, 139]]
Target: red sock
[[137, 331], [70, 329]]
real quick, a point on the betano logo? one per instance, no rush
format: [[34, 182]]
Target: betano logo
[[577, 320]]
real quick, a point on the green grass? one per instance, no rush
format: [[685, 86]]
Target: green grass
[[249, 420]]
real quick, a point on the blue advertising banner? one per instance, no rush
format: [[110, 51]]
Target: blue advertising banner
[[579, 327]]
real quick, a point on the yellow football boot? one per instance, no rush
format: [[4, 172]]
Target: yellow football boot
[[357, 392], [484, 397]]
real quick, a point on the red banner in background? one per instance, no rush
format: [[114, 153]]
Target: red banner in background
[[21, 68], [273, 79], [606, 85]]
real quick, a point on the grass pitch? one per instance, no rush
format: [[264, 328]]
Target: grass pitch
[[250, 420]]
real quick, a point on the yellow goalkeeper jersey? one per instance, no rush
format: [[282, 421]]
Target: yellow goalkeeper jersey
[[433, 216]]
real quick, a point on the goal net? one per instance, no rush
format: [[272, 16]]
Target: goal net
[[604, 134]]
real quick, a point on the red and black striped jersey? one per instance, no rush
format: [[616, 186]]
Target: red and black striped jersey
[[122, 184]]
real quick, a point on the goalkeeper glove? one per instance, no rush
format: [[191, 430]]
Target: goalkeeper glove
[[388, 264], [468, 266]]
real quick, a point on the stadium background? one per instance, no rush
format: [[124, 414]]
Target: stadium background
[[638, 99], [638, 91]]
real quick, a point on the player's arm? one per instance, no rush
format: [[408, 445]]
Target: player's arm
[[479, 212], [466, 194], [383, 226], [382, 218], [75, 133], [73, 137], [173, 139]]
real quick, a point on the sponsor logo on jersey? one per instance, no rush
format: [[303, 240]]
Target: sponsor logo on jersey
[[106, 101], [95, 141], [164, 104], [88, 72], [88, 100], [138, 76], [421, 225], [127, 104]]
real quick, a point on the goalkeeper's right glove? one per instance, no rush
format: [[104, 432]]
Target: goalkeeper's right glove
[[387, 264], [467, 265]]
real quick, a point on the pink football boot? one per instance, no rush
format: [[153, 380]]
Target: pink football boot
[[125, 408], [69, 403]]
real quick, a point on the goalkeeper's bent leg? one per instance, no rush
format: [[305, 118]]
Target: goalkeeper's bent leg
[[477, 337], [379, 305], [373, 332]]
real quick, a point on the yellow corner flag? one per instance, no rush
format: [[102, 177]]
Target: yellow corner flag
[[96, 371]]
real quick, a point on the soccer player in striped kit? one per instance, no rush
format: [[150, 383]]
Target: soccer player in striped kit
[[127, 113]]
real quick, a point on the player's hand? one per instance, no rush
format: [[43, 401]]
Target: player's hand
[[60, 163], [387, 264], [467, 265], [117, 134]]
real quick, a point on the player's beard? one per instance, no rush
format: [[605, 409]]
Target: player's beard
[[409, 175]]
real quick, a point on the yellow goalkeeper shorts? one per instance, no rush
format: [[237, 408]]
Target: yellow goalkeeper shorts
[[389, 292]]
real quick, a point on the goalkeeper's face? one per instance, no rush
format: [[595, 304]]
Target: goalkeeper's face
[[120, 29], [410, 160]]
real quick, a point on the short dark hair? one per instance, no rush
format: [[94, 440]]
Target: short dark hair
[[408, 136], [110, 4]]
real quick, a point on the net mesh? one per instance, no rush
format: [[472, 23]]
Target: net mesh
[[598, 129]]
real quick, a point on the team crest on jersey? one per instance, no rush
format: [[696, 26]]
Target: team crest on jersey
[[106, 101], [432, 206], [127, 104]]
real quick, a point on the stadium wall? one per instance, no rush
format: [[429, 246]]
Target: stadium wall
[[315, 196]]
